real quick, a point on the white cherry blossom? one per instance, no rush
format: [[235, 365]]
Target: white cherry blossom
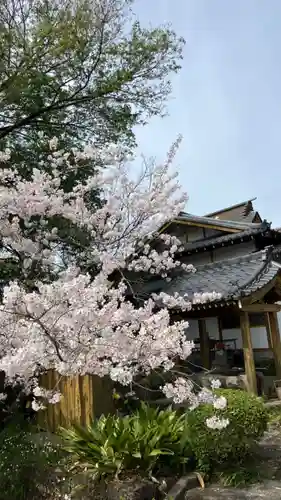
[[215, 383], [75, 323], [216, 423], [220, 403]]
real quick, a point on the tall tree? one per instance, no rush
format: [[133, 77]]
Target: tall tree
[[81, 70]]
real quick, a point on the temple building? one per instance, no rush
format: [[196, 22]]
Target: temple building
[[238, 255]]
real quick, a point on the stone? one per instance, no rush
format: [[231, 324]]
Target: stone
[[184, 483], [271, 490]]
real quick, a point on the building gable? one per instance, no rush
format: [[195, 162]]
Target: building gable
[[243, 212], [238, 224]]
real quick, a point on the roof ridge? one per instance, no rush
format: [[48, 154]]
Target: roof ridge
[[231, 207]]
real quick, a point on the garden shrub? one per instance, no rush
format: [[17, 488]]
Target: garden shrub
[[25, 464], [145, 441], [247, 417]]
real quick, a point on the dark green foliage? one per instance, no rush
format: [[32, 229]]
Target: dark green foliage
[[145, 441], [25, 463], [247, 422], [82, 70], [87, 73]]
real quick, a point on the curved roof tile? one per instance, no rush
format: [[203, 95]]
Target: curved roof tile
[[233, 278]]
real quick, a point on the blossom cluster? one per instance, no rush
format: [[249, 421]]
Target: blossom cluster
[[217, 423], [77, 323], [182, 391]]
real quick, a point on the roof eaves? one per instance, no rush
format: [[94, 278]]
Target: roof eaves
[[263, 272], [264, 275], [208, 221]]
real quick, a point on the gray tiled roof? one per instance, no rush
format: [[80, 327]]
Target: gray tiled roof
[[233, 278]]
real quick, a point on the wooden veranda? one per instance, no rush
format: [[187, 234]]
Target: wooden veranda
[[244, 312]]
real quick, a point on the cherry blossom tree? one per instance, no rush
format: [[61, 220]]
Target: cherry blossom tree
[[77, 322]]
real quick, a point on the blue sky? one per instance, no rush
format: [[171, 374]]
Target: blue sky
[[226, 102]]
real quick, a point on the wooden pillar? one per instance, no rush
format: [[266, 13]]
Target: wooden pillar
[[268, 330], [276, 342], [248, 353], [204, 343]]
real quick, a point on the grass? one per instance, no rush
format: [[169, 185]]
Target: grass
[[242, 474]]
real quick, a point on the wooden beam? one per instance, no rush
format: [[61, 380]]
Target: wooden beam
[[204, 343], [268, 330], [277, 286], [276, 341], [260, 308], [248, 353]]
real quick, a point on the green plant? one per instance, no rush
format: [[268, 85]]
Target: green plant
[[160, 434], [141, 441], [247, 417], [104, 447], [25, 463]]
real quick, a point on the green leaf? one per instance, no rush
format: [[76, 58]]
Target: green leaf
[[154, 453]]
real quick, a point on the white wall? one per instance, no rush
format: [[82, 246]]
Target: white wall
[[259, 337]]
